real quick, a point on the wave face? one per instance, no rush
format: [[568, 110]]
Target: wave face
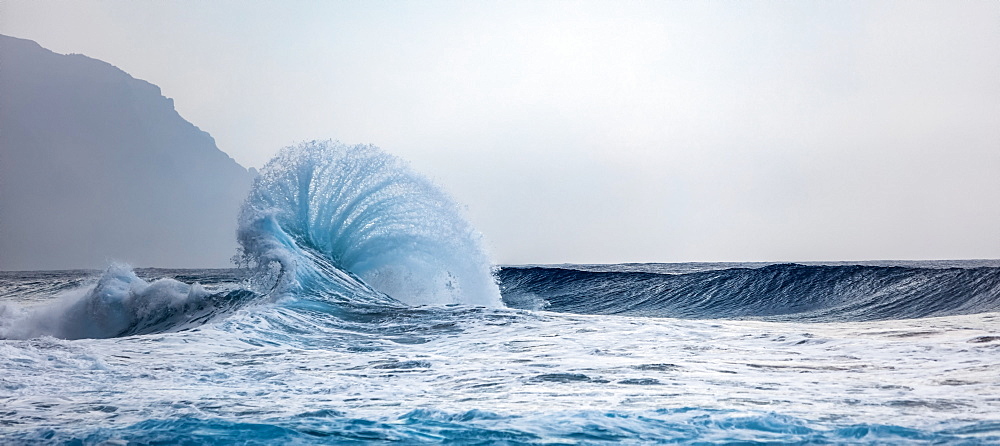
[[774, 292], [355, 224]]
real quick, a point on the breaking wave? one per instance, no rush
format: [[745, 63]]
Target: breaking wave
[[355, 223], [120, 304]]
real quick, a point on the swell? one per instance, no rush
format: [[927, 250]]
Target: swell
[[775, 292]]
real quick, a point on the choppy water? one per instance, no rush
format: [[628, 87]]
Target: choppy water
[[366, 311]]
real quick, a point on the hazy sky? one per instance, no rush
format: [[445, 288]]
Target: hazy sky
[[607, 131]]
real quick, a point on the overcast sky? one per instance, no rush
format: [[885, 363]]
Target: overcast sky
[[607, 131]]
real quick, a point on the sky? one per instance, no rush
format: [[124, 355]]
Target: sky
[[604, 132]]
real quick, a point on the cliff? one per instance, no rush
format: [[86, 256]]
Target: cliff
[[97, 166]]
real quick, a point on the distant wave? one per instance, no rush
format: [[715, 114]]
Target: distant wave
[[775, 292]]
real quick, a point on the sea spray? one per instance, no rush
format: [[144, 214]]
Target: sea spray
[[333, 219], [119, 303]]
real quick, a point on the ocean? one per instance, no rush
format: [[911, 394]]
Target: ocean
[[364, 310]]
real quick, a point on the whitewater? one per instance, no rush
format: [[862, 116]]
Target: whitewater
[[364, 309]]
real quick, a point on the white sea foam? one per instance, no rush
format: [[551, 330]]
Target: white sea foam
[[118, 303], [550, 376]]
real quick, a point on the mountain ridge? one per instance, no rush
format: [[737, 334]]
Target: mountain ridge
[[98, 166]]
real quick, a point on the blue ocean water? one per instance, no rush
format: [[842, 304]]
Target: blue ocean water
[[366, 311]]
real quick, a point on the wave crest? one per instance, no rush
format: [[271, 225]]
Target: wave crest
[[343, 221]]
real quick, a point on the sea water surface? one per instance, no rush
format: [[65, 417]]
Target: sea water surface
[[366, 311]]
